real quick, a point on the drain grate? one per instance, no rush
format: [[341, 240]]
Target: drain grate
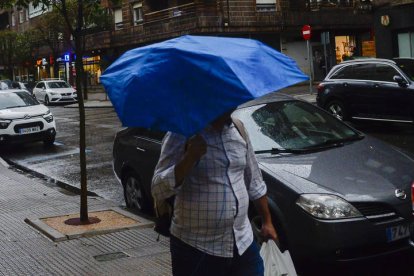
[[110, 256]]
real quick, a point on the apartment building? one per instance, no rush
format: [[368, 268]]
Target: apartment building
[[340, 29]]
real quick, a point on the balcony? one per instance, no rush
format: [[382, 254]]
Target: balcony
[[216, 17]]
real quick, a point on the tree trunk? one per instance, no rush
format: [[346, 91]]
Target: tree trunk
[[82, 135]]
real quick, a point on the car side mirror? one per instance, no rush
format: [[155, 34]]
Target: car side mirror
[[401, 82]]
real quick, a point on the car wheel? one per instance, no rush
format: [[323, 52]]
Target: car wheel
[[134, 193], [47, 102], [49, 141], [337, 109]]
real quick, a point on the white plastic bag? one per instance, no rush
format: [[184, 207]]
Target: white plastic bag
[[276, 263]]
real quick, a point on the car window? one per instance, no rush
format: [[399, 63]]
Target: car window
[[384, 72], [18, 99], [408, 67], [57, 84], [290, 125], [39, 85], [363, 71]]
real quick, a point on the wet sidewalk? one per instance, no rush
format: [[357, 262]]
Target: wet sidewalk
[[26, 251]]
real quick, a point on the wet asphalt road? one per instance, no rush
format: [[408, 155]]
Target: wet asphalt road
[[61, 163]]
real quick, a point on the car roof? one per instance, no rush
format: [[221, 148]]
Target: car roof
[[367, 60], [271, 97]]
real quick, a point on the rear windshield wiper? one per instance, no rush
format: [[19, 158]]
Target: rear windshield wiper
[[279, 150]]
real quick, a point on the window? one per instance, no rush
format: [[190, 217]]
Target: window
[[137, 13], [384, 73], [118, 19], [21, 16], [13, 19], [356, 72], [406, 44], [265, 5]]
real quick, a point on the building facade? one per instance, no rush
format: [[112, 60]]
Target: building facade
[[340, 28], [394, 28]]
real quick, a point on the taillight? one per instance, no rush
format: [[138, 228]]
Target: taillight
[[320, 88]]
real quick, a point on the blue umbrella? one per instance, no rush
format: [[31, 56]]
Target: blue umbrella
[[182, 84]]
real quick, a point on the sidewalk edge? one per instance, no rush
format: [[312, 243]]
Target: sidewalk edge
[[4, 163]]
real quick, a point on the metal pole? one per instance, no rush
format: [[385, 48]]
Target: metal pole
[[310, 67]]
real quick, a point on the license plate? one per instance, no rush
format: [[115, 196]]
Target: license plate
[[29, 130], [397, 232]]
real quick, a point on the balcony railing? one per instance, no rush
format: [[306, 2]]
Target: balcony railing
[[183, 10], [315, 5]]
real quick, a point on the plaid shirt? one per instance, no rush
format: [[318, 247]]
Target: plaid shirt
[[211, 205]]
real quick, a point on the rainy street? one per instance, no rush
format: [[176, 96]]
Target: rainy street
[[61, 162]]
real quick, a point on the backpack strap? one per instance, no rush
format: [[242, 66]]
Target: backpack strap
[[240, 127]]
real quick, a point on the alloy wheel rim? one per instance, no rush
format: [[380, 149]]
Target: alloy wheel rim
[[133, 193], [336, 110]]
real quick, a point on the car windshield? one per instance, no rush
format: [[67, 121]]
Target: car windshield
[[16, 99], [407, 66], [292, 126], [57, 84]]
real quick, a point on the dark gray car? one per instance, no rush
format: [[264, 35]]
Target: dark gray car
[[334, 194]]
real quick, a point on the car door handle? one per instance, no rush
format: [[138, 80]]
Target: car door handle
[[345, 84], [376, 86], [140, 149]]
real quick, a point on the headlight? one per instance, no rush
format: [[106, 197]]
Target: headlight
[[4, 124], [53, 93], [48, 118], [327, 206]]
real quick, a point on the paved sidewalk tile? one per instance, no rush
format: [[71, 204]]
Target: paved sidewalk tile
[[26, 251]]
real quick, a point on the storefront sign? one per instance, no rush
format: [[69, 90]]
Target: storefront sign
[[368, 49], [66, 57], [385, 20]]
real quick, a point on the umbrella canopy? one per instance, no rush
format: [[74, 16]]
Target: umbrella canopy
[[182, 84]]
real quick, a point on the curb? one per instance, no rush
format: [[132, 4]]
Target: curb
[[58, 183], [4, 163]]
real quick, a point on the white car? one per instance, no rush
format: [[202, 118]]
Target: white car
[[24, 119], [54, 91]]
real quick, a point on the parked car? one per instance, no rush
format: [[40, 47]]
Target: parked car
[[19, 85], [335, 194], [24, 119], [54, 91], [4, 84], [370, 89]]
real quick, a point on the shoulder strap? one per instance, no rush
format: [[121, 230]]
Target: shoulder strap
[[240, 127]]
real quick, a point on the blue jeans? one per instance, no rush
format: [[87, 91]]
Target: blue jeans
[[189, 261]]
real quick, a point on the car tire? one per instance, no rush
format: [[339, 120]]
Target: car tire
[[337, 109], [47, 101], [49, 141], [134, 194]]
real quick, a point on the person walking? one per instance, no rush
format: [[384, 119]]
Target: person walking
[[213, 176]]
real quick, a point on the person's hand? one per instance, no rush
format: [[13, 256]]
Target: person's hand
[[195, 147], [268, 232]]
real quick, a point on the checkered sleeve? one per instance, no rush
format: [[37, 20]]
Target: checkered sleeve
[[256, 187], [163, 181]]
